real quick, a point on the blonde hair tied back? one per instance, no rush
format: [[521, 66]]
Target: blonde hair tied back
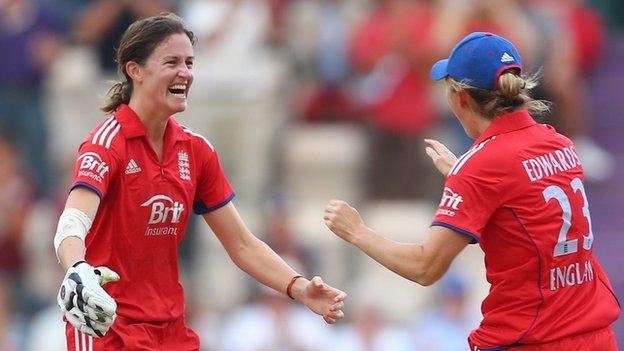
[[512, 93], [510, 85]]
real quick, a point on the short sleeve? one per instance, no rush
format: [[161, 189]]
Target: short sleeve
[[213, 189], [468, 201], [94, 168]]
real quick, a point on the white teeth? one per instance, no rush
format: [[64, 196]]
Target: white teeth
[[178, 90]]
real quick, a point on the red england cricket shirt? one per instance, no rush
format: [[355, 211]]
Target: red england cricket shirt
[[145, 206], [519, 193]]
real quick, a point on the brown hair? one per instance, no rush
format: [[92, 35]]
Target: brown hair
[[137, 44], [512, 93]]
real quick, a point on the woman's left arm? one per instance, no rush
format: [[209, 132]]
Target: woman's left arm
[[422, 263], [258, 260]]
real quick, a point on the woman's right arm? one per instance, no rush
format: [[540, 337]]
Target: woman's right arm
[[72, 248], [88, 307]]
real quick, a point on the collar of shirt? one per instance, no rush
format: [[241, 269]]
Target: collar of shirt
[[132, 127], [506, 123]]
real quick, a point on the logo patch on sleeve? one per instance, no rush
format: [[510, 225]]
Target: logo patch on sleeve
[[450, 202], [92, 166]]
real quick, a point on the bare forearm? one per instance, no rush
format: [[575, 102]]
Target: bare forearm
[[251, 254], [71, 250], [405, 259], [262, 263]]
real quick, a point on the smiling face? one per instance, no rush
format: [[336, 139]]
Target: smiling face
[[163, 82]]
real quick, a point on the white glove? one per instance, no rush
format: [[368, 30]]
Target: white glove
[[83, 301]]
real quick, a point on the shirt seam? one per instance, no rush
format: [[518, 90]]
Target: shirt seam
[[539, 275], [215, 207], [475, 238], [88, 186]]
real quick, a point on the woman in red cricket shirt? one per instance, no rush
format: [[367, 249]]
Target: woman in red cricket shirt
[[136, 178], [519, 193]]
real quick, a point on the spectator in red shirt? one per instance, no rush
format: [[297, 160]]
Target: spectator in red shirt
[[391, 50]]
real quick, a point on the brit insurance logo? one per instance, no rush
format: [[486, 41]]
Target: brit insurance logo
[[92, 166], [163, 209], [450, 202], [184, 166]]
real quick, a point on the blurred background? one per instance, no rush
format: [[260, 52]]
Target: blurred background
[[305, 100]]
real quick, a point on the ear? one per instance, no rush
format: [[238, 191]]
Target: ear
[[463, 99], [134, 70]]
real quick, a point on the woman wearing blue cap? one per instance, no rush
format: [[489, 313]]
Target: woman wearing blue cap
[[519, 193]]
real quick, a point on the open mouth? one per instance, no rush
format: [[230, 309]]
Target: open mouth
[[178, 90]]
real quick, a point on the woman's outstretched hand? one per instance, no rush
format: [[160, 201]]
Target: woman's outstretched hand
[[441, 156], [323, 300]]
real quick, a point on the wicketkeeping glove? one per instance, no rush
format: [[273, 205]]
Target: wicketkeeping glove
[[83, 301]]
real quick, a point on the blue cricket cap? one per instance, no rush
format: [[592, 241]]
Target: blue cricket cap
[[478, 60]]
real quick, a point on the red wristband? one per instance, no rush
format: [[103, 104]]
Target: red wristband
[[289, 287]]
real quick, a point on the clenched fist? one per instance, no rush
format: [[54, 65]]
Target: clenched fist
[[343, 220]]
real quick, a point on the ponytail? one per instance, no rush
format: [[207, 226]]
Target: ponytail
[[510, 85], [118, 94], [512, 93]]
